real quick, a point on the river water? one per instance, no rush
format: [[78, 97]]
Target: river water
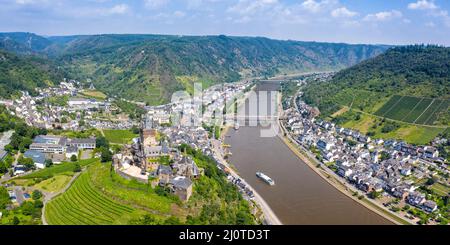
[[299, 196]]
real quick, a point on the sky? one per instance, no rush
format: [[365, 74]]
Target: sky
[[349, 21]]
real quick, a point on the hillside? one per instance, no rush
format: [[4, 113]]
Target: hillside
[[23, 42], [151, 67], [25, 73], [409, 85]]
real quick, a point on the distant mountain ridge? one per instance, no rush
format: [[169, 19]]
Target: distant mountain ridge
[[151, 67], [23, 42]]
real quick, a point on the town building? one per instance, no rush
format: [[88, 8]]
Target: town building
[[182, 187], [38, 158]]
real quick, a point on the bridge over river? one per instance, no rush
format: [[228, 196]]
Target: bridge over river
[[300, 196]]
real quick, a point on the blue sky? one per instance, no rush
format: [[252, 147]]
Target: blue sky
[[350, 21]]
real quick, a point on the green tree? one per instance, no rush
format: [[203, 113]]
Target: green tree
[[26, 162], [4, 198], [106, 155], [48, 163], [38, 204], [3, 168], [101, 141], [135, 130], [36, 195], [385, 156], [27, 208], [73, 158], [77, 167], [16, 220]]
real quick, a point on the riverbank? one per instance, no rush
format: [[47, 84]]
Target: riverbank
[[270, 217], [331, 179]]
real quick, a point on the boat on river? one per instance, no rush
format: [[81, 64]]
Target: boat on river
[[265, 178]]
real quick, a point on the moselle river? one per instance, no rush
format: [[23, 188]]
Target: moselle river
[[300, 196]]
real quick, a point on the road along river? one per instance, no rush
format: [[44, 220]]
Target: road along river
[[300, 196]]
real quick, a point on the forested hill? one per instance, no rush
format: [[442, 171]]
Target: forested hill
[[421, 71], [25, 73], [151, 67], [23, 42]]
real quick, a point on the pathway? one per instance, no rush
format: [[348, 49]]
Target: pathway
[[48, 196]]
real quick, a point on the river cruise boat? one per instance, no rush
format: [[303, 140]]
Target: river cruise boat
[[265, 178]]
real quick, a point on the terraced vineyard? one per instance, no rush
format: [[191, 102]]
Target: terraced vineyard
[[82, 204], [413, 109], [433, 111]]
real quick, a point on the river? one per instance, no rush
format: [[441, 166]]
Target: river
[[300, 196]]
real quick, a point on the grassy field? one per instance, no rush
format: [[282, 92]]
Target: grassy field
[[67, 167], [94, 94], [419, 135], [54, 184], [413, 109], [363, 125], [119, 136], [83, 204], [415, 134]]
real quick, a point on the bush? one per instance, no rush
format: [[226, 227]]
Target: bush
[[389, 127], [406, 207], [36, 195], [26, 162], [16, 220], [4, 198], [38, 204], [48, 163], [77, 168], [374, 194], [101, 142], [106, 155], [73, 158]]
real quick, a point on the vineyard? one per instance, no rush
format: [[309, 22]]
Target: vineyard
[[82, 204], [415, 110]]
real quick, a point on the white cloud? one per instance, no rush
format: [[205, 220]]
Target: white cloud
[[311, 5], [432, 9], [23, 2], [246, 7], [314, 6], [383, 16], [119, 9], [29, 2], [422, 4], [155, 4], [343, 12]]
